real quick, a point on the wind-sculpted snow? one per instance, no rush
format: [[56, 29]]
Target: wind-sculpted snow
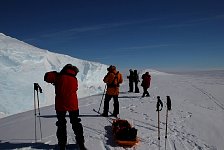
[[22, 64]]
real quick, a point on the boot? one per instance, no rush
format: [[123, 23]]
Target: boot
[[104, 114], [82, 146], [115, 115], [62, 147]]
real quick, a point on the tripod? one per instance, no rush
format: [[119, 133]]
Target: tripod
[[37, 89]]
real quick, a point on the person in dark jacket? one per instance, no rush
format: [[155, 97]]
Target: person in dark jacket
[[136, 80], [113, 79], [66, 86], [131, 80], [146, 80]]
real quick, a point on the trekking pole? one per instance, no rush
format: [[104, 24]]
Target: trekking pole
[[35, 114], [38, 88], [168, 103], [159, 103], [102, 97]]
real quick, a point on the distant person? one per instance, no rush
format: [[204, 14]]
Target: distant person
[[66, 86], [136, 80], [146, 80], [131, 80], [113, 79]]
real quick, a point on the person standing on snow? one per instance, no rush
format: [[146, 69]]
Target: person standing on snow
[[146, 80], [66, 86], [113, 79], [131, 80], [136, 80]]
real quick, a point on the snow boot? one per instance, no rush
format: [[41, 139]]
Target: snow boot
[[82, 146], [115, 115], [62, 147], [104, 114]]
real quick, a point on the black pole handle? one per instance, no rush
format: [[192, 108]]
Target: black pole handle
[[159, 103], [37, 87], [168, 103]]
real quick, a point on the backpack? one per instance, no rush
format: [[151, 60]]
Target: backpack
[[115, 82], [123, 130]]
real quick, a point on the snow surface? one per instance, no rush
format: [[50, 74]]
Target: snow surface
[[195, 122]]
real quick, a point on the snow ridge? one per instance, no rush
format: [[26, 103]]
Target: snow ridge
[[22, 64]]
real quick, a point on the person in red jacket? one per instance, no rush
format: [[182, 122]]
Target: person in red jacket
[[66, 86], [146, 80]]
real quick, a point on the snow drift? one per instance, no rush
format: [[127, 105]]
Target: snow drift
[[22, 64]]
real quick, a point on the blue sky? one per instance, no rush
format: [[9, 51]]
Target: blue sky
[[138, 34]]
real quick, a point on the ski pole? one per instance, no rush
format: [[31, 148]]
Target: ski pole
[[39, 110], [159, 103], [102, 97], [38, 88], [35, 114], [168, 103]]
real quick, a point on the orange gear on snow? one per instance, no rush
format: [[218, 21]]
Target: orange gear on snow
[[117, 126]]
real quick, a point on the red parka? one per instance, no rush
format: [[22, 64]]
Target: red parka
[[146, 80], [66, 86]]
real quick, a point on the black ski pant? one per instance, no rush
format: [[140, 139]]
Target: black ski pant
[[107, 101], [131, 86], [136, 87], [145, 92], [76, 126]]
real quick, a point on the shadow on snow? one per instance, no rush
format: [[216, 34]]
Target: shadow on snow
[[8, 145]]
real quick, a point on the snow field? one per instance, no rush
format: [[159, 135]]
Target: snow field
[[195, 121]]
